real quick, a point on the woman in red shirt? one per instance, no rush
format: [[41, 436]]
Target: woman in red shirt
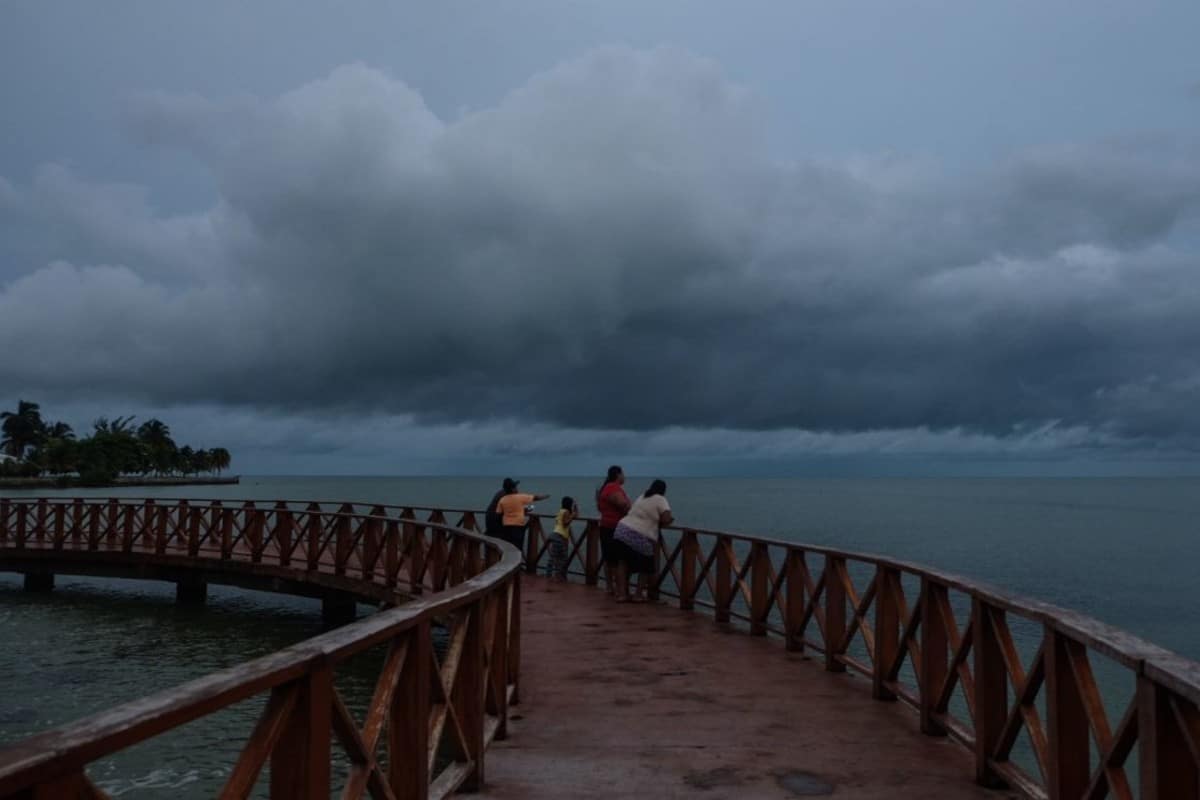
[[613, 503]]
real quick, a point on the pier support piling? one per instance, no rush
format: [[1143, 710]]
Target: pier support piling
[[39, 581], [191, 592], [338, 608]]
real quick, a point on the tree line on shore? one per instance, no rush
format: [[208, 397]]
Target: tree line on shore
[[114, 448]]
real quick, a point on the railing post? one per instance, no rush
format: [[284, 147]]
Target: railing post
[[1164, 759], [256, 523], [5, 505], [835, 612], [934, 652], [437, 558], [759, 611], [455, 563], [94, 527], [190, 517], [591, 569], [653, 590], [214, 526], [533, 541], [128, 528], [60, 528], [283, 532], [1068, 767], [887, 630], [391, 553], [474, 558], [497, 703], [689, 550], [794, 600], [991, 691], [467, 696], [514, 637], [414, 537], [373, 541], [408, 719], [300, 760], [146, 533], [76, 522], [342, 538], [227, 518], [162, 515], [724, 594], [312, 535], [110, 534], [22, 523], [39, 529]]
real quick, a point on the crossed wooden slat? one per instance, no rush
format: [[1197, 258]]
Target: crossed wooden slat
[[361, 743], [959, 673]]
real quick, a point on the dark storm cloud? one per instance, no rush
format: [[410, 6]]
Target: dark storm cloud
[[610, 247]]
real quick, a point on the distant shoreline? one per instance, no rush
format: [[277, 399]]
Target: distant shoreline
[[71, 482]]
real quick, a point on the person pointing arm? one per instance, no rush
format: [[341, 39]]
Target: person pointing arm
[[512, 510]]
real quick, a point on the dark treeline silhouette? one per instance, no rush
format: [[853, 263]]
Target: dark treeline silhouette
[[114, 448]]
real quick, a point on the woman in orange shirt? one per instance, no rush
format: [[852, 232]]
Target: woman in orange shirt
[[511, 508]]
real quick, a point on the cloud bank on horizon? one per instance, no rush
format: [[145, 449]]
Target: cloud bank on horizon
[[613, 247]]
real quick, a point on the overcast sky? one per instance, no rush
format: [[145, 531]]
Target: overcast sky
[[529, 236]]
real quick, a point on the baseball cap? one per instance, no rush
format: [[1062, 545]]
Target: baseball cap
[[510, 484]]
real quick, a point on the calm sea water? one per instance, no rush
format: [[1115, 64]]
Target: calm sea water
[[1122, 550]]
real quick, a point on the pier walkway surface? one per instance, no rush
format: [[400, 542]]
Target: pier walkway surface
[[642, 700]]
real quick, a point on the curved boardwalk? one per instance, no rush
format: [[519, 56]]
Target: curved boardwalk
[[756, 681], [646, 701]]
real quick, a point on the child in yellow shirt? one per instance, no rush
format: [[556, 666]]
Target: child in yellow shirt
[[556, 569]]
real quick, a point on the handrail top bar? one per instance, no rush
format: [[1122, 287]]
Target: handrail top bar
[[1115, 643]]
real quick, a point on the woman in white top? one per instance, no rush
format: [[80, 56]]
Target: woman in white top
[[636, 538]]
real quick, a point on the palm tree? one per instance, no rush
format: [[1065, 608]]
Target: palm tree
[[154, 432], [118, 426], [118, 451], [55, 450], [201, 461], [156, 436], [22, 428], [60, 430], [186, 459], [220, 459]]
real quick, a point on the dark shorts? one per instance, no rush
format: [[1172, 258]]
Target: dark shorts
[[606, 546], [514, 535], [634, 561]]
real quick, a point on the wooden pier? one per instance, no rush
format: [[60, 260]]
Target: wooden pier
[[643, 701], [764, 668]]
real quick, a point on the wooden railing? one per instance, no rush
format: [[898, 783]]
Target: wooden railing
[[1047, 701], [436, 715]]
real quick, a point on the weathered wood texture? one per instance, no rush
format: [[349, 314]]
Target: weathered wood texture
[[458, 703], [1029, 707], [1009, 678]]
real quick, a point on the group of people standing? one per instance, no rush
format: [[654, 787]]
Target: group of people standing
[[629, 533], [629, 530]]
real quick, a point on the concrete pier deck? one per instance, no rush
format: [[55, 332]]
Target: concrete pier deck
[[648, 701]]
